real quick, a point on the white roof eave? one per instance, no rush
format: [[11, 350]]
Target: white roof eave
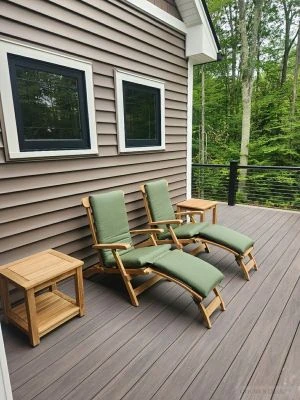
[[201, 46]]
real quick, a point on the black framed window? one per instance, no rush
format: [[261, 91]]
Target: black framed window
[[50, 104], [142, 115]]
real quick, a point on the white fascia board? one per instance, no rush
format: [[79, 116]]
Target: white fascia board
[[199, 46], [205, 22], [200, 42], [196, 47], [159, 14]]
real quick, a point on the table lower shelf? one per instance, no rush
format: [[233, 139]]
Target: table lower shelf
[[52, 311]]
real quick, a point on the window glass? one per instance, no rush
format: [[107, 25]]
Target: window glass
[[141, 115]]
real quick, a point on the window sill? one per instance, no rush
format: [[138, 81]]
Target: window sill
[[141, 149], [44, 155]]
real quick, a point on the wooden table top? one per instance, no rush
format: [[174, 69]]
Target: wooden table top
[[197, 204], [39, 268]]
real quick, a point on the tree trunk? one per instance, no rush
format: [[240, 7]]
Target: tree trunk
[[232, 20], [202, 129], [296, 75], [289, 14], [246, 122], [249, 53]]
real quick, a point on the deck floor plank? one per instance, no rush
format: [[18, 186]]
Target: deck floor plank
[[174, 355], [109, 358], [183, 376], [161, 350], [238, 373], [97, 299], [83, 345], [267, 371], [288, 385]]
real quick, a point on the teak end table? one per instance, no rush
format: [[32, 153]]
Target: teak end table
[[42, 312], [201, 205]]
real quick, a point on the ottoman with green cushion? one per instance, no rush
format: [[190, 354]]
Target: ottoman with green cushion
[[215, 233], [196, 273], [227, 237]]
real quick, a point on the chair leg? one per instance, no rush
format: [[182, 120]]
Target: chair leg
[[246, 267], [242, 265], [207, 311], [131, 292], [199, 249], [218, 294], [126, 279], [206, 248], [254, 261], [205, 315]]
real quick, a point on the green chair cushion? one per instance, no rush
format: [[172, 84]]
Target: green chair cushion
[[159, 201], [110, 219], [185, 231], [196, 273], [227, 237], [139, 257]]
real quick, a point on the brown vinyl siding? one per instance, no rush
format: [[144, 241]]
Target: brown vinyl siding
[[40, 200], [167, 5]]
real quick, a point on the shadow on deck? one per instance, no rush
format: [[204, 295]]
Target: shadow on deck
[[161, 350]]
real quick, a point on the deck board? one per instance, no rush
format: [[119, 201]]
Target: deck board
[[242, 311], [288, 386], [161, 350], [268, 369]]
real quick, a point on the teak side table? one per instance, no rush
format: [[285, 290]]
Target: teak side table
[[201, 205], [42, 312]]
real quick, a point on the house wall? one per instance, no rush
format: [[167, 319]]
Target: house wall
[[167, 5], [40, 200]]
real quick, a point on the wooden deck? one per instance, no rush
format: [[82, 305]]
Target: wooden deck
[[161, 350]]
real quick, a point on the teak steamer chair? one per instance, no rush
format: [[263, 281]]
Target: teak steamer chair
[[111, 236], [160, 214]]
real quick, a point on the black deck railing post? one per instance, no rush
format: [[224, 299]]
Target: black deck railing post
[[232, 182]]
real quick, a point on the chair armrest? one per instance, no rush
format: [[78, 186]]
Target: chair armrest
[[112, 246], [142, 231], [166, 222]]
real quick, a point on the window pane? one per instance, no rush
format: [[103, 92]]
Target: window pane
[[141, 115], [49, 104]]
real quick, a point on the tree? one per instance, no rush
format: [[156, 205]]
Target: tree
[[290, 12], [296, 74], [273, 128], [249, 21]]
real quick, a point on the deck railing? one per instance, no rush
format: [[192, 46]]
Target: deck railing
[[266, 186]]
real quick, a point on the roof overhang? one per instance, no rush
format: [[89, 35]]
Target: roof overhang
[[202, 44]]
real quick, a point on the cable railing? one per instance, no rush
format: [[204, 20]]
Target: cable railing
[[267, 186]]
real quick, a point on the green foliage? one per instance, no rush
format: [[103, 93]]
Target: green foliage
[[274, 131], [275, 127]]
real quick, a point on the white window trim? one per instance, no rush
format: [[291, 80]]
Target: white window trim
[[7, 46], [121, 76]]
